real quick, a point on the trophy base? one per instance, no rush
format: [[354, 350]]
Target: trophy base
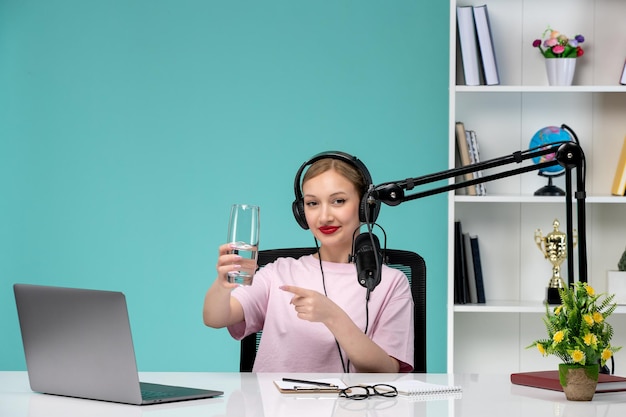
[[552, 296]]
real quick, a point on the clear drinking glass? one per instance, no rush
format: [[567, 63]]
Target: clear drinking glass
[[243, 233]]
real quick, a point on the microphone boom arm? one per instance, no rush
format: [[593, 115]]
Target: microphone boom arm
[[568, 154]]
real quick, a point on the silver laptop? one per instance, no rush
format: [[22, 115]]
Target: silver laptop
[[78, 343]]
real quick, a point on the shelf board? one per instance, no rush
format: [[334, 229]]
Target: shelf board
[[540, 89], [517, 198], [508, 306], [502, 306]]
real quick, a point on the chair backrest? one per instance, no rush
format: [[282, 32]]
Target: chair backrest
[[413, 266]]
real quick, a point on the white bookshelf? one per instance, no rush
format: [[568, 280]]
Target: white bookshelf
[[493, 336]]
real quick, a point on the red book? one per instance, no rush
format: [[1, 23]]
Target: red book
[[550, 380]]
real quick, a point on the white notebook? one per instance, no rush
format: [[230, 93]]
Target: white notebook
[[415, 387], [420, 390]]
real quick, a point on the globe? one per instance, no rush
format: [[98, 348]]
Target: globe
[[545, 137]]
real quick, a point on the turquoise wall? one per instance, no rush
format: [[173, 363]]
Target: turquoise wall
[[129, 127]]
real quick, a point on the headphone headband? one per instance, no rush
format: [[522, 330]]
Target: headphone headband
[[298, 204]]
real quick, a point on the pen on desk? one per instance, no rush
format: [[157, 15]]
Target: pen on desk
[[303, 381]]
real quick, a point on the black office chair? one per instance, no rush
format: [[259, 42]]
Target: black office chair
[[413, 266]]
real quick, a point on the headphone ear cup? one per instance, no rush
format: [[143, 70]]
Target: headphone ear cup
[[368, 212], [298, 212]]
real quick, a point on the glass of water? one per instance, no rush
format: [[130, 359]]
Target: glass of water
[[243, 235]]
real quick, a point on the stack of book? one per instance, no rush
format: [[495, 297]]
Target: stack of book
[[468, 153], [468, 274], [476, 45]]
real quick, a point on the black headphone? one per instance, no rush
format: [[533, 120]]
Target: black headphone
[[368, 211]]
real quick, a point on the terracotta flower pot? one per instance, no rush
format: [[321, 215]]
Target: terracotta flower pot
[[579, 382]]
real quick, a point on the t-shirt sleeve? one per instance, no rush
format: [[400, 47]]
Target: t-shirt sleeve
[[394, 329], [253, 300]]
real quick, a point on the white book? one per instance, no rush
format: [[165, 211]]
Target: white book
[[472, 144], [485, 43], [481, 189], [623, 79], [469, 44]]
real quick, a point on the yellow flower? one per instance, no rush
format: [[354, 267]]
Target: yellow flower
[[598, 317], [558, 336], [542, 350], [577, 330], [590, 339], [578, 356]]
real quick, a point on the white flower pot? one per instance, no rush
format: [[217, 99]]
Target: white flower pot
[[616, 284], [560, 70]]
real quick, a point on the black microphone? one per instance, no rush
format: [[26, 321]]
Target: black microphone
[[368, 260]]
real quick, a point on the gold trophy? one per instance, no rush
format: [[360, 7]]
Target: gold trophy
[[554, 247]]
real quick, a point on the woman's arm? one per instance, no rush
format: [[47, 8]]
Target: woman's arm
[[364, 354], [220, 309]]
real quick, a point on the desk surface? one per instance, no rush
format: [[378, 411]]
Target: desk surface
[[255, 395]]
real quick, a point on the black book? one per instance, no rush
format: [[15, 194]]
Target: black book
[[478, 270], [460, 280], [469, 268]]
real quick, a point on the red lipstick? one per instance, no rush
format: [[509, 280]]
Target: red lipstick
[[327, 230]]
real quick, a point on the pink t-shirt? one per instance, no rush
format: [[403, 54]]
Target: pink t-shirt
[[290, 344]]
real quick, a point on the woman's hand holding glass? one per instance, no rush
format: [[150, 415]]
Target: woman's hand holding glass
[[243, 237], [227, 263]]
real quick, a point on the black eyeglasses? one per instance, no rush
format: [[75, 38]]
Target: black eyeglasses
[[361, 392]]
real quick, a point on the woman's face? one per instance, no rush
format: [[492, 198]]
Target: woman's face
[[331, 207]]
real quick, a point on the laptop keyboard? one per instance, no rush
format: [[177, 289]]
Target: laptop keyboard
[[154, 395], [151, 391]]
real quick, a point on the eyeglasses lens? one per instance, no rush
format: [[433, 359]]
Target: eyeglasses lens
[[361, 392]]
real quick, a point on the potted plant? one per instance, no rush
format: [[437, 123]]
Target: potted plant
[[560, 52], [580, 336]]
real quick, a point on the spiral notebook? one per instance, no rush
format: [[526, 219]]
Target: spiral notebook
[[425, 390]]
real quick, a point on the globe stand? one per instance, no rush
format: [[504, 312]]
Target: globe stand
[[550, 189]]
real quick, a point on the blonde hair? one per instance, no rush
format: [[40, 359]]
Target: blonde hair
[[342, 168]]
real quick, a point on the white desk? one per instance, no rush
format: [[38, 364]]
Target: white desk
[[255, 395]]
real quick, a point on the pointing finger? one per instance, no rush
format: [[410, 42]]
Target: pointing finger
[[294, 290]]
